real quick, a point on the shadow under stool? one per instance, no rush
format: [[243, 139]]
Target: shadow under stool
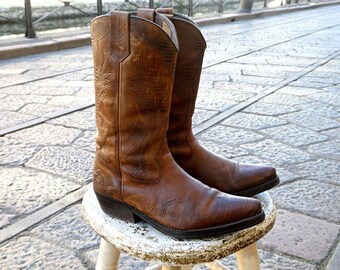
[[142, 241]]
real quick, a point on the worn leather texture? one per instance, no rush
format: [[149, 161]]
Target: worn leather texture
[[134, 62], [213, 170]]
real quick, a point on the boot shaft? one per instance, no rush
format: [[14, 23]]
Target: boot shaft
[[187, 76], [134, 63]]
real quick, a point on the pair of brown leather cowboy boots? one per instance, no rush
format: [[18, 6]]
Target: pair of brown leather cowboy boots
[[149, 165]]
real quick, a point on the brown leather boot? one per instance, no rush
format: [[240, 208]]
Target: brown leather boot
[[135, 176], [213, 170]]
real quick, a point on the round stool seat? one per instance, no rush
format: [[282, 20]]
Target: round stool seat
[[141, 240]]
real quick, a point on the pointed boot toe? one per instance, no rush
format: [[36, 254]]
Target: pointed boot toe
[[254, 179]]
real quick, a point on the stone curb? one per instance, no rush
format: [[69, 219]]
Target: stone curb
[[62, 43], [37, 47]]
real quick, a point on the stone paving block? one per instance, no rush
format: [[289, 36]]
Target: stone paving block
[[227, 94], [223, 149], [5, 218], [201, 116], [332, 133], [311, 120], [79, 84], [82, 119], [313, 198], [301, 236], [68, 229], [86, 91], [46, 134], [11, 103], [269, 109], [328, 97], [308, 82], [294, 51], [6, 71], [214, 74], [277, 153], [327, 74], [252, 59], [232, 136], [328, 80], [40, 110], [334, 262], [18, 89], [30, 253], [298, 91], [268, 261], [256, 80], [25, 190], [34, 73], [15, 152], [89, 77], [291, 61], [66, 161], [87, 141], [320, 108], [271, 72], [48, 82], [15, 102], [16, 78], [332, 89], [236, 87], [329, 149], [252, 121], [69, 101], [334, 62], [9, 119], [56, 91], [72, 76], [285, 175], [25, 63], [234, 68], [324, 170], [285, 99], [294, 135], [212, 103]]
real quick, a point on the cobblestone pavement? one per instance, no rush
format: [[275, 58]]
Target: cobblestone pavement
[[269, 93]]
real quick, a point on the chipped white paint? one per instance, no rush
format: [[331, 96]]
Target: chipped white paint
[[143, 241]]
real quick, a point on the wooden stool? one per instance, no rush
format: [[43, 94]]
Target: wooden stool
[[143, 241]]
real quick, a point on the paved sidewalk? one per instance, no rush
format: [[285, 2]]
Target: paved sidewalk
[[269, 93]]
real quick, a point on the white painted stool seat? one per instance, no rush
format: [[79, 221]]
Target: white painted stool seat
[[144, 242]]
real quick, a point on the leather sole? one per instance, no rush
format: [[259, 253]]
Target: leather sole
[[125, 212], [258, 189]]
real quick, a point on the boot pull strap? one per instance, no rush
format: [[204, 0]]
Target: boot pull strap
[[169, 12], [120, 34], [146, 13]]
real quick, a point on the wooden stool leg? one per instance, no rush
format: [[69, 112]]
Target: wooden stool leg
[[108, 256], [248, 258]]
